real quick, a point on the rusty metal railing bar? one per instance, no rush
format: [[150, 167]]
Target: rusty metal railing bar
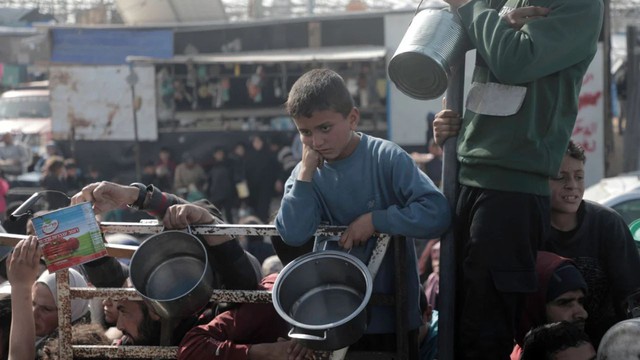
[[122, 352], [153, 227], [230, 296], [66, 293]]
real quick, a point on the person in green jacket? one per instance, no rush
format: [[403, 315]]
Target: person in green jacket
[[531, 57]]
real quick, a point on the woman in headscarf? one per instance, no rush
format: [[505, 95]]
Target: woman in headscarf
[[34, 324], [45, 304]]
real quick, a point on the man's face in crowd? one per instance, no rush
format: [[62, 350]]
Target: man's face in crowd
[[164, 156], [567, 307], [584, 351], [329, 132], [45, 310], [7, 138], [567, 188], [141, 326]]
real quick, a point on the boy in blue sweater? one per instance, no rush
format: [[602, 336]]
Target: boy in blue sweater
[[347, 178]]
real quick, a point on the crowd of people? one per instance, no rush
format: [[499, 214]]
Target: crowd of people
[[541, 273], [244, 180]]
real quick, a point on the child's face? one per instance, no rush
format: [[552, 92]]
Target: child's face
[[329, 133]]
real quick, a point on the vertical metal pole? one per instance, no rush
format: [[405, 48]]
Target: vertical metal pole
[[401, 300], [606, 70], [632, 128], [132, 79], [630, 145], [447, 300], [64, 315], [72, 141]]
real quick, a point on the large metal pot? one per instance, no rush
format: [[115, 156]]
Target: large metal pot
[[171, 273], [324, 295], [433, 43]]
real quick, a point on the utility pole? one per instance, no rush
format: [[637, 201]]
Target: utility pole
[[631, 133], [132, 80]]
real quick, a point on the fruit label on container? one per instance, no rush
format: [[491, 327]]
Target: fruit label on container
[[69, 236]]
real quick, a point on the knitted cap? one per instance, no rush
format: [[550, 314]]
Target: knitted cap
[[564, 279]]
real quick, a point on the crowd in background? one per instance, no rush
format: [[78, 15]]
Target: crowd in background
[[245, 179]]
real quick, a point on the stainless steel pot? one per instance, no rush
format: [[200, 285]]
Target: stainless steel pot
[[433, 43], [324, 295], [171, 273]]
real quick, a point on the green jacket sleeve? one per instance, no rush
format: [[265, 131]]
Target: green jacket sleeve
[[566, 36]]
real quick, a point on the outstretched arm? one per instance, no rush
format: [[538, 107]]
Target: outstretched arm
[[106, 196], [22, 270]]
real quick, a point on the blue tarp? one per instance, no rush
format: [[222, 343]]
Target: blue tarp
[[108, 46]]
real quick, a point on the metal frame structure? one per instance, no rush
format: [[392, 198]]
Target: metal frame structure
[[66, 293]]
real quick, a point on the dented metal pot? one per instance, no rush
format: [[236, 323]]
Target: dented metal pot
[[324, 296]]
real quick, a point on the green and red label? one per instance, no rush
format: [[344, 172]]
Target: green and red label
[[69, 236]]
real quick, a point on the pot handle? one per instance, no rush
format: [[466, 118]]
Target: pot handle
[[324, 247], [302, 336]]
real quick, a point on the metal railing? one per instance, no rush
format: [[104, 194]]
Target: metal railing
[[67, 351]]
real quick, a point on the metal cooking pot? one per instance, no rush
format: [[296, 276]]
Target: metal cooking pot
[[324, 295], [171, 273], [433, 43]]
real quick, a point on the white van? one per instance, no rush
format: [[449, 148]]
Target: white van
[[26, 113]]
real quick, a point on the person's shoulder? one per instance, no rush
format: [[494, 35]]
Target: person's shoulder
[[382, 144], [603, 216], [599, 209]]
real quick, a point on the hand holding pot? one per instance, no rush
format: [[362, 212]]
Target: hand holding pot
[[358, 232], [281, 350], [296, 350], [181, 216]]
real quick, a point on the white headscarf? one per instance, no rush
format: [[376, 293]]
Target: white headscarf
[[79, 307]]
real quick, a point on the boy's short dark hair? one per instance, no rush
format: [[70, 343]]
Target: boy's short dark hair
[[545, 341], [319, 90], [576, 151]]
